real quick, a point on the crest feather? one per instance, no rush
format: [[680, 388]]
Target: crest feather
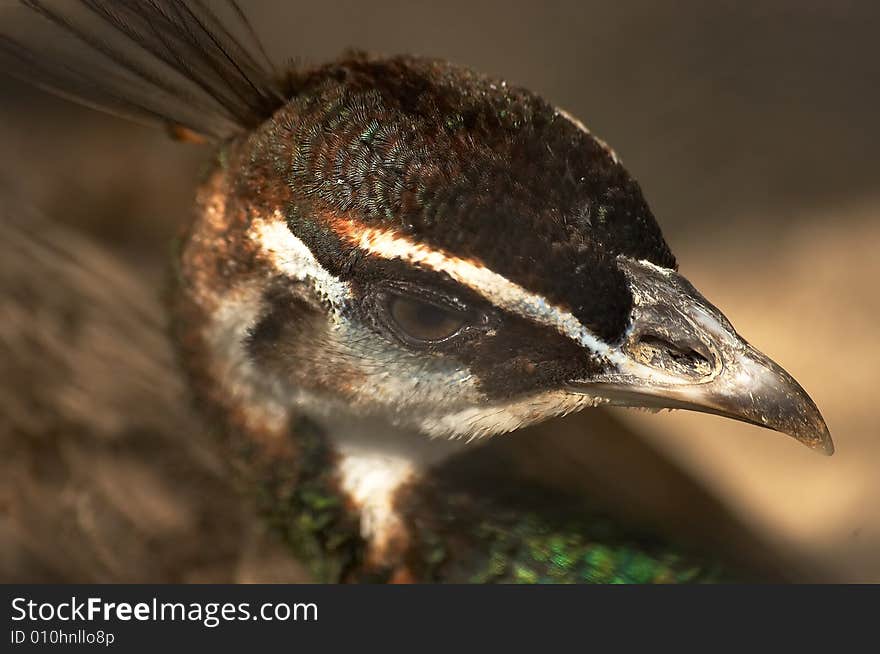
[[178, 63]]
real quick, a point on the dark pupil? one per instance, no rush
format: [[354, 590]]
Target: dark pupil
[[424, 321]]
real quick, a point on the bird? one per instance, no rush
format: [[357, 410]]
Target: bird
[[391, 259]]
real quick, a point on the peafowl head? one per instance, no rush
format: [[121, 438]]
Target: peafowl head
[[408, 240]]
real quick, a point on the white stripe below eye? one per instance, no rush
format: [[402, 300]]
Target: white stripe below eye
[[497, 289]]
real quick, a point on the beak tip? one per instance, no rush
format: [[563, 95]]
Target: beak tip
[[814, 434], [823, 444], [782, 404]]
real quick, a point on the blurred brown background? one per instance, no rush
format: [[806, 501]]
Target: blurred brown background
[[752, 128]]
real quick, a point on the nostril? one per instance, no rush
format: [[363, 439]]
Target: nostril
[[678, 351], [678, 358]]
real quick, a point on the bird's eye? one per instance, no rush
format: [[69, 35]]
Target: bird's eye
[[424, 322]]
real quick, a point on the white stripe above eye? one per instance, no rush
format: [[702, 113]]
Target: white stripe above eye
[[496, 288], [292, 257]]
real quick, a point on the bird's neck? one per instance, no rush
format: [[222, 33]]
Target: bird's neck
[[375, 462]]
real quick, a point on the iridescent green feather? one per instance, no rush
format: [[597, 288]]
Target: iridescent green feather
[[472, 540]]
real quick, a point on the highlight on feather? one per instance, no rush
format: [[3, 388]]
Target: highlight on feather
[[190, 66]]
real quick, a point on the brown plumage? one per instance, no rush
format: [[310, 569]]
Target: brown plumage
[[107, 473]]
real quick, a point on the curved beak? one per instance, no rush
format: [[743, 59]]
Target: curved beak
[[682, 353]]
